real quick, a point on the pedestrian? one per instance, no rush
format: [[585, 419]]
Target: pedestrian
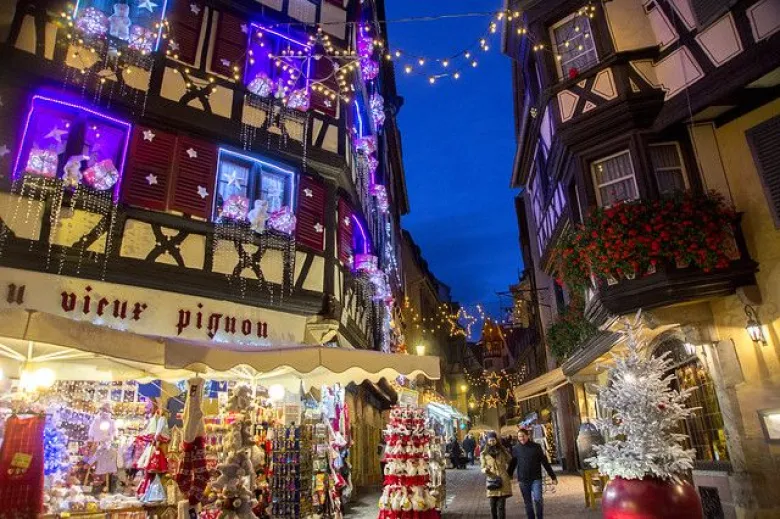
[[469, 445], [529, 459], [497, 464], [456, 454]]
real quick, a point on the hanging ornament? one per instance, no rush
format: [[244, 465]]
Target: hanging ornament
[[299, 100], [366, 145], [377, 106], [142, 39], [261, 85], [55, 450], [367, 263], [42, 163], [120, 22], [235, 207], [102, 176], [71, 171], [283, 221], [365, 45], [370, 68], [93, 22], [372, 163]]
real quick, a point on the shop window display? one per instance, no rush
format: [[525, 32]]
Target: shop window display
[[121, 449], [137, 23]]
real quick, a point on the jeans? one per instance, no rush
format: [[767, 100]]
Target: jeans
[[498, 507], [532, 497]]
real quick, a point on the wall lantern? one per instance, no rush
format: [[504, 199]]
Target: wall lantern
[[753, 325]]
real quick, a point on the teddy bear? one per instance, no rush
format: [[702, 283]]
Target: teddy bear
[[229, 479], [120, 22], [240, 400], [236, 504], [241, 459]]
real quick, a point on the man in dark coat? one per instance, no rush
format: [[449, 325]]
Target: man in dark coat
[[529, 458], [469, 446], [456, 454]]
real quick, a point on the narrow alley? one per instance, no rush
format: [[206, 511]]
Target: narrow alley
[[466, 499]]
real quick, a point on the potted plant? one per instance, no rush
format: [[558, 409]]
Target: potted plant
[[643, 456]]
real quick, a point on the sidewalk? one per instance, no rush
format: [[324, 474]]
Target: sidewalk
[[466, 499]]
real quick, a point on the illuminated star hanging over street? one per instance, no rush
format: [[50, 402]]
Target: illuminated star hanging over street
[[147, 4], [202, 192]]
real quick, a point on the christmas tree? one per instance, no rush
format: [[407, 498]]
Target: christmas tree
[[646, 412]]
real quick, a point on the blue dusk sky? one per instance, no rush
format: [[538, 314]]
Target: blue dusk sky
[[458, 145]]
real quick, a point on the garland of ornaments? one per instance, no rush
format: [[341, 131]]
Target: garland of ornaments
[[408, 472]]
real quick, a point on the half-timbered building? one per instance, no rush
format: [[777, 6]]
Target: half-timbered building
[[631, 104]]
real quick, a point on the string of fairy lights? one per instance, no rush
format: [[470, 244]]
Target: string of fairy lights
[[347, 62]]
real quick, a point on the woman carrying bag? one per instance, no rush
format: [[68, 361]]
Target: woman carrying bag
[[497, 464]]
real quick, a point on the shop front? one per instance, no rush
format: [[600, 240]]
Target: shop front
[[130, 403]]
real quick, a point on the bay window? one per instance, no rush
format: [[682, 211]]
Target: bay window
[[573, 45], [614, 180], [668, 167], [244, 180]]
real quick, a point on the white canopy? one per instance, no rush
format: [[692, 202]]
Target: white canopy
[[78, 350]]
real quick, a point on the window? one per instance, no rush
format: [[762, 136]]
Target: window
[[668, 168], [267, 62], [763, 140], [245, 182], [707, 11], [614, 180], [73, 143], [136, 23], [573, 44]]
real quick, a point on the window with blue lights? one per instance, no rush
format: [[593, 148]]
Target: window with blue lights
[[249, 187], [73, 143], [276, 60]]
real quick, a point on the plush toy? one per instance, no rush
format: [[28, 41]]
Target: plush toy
[[411, 468], [229, 479], [384, 500], [396, 500], [236, 504], [406, 501], [240, 400], [418, 500], [119, 22], [258, 216]]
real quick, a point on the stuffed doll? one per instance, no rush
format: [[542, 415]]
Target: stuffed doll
[[230, 475], [120, 22]]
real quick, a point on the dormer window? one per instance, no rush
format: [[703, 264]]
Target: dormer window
[[573, 46]]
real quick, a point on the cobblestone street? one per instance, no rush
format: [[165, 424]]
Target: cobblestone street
[[466, 499]]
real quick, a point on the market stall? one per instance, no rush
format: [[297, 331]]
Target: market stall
[[107, 423]]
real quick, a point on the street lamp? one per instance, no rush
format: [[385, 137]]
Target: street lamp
[[753, 325], [420, 350]]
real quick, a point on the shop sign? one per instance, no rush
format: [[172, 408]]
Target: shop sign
[[408, 397], [149, 312]]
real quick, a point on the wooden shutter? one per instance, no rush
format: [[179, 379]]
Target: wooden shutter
[[196, 166], [310, 228], [764, 140], [346, 230], [149, 157], [324, 73], [229, 45], [185, 27], [707, 11]]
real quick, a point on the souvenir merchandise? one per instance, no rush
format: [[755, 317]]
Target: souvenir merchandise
[[193, 476], [407, 479]]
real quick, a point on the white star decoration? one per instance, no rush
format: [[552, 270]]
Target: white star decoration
[[173, 45], [346, 221], [192, 153], [225, 63], [308, 193], [328, 103], [202, 192], [4, 151], [149, 135], [318, 228], [232, 179], [244, 28], [151, 179], [195, 9], [55, 134], [147, 4]]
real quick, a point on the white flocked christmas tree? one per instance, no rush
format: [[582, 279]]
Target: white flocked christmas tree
[[642, 433]]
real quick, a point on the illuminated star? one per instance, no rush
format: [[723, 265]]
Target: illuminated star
[[328, 103], [173, 45], [149, 135], [195, 9], [192, 153], [308, 193], [225, 63], [244, 28], [493, 379], [346, 221], [318, 228], [147, 4], [4, 151], [202, 192], [232, 179], [151, 179], [56, 134]]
